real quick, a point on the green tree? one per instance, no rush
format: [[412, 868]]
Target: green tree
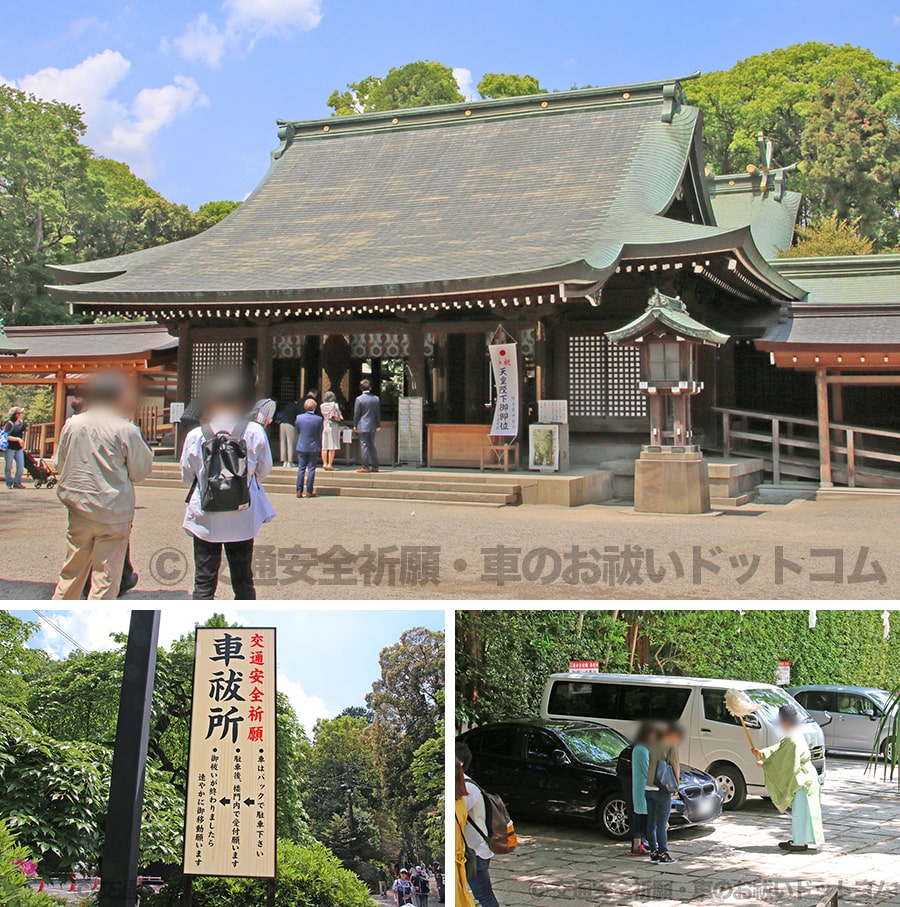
[[210, 213], [804, 97], [508, 85], [419, 84], [407, 702], [829, 236], [17, 660], [428, 774]]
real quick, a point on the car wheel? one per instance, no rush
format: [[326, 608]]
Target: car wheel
[[887, 749], [613, 815], [732, 785]]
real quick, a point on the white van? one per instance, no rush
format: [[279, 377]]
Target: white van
[[713, 740]]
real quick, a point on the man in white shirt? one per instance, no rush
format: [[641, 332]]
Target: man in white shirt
[[100, 456], [225, 402], [480, 883]]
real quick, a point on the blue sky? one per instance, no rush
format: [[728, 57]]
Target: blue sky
[[327, 660], [187, 91]]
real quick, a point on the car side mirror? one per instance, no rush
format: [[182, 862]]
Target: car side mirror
[[828, 719], [560, 758], [752, 721], [873, 715]]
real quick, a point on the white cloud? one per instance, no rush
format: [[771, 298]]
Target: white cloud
[[245, 22], [116, 128], [465, 82], [309, 708]]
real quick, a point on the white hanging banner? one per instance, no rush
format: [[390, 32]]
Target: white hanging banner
[[505, 366]]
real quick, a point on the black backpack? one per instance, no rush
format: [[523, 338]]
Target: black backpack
[[226, 487]]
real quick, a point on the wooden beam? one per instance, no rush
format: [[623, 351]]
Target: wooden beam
[[824, 433], [867, 380], [59, 408]]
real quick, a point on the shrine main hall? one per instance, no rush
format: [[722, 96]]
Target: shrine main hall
[[393, 246]]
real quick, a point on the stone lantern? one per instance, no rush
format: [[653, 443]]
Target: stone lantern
[[671, 475]]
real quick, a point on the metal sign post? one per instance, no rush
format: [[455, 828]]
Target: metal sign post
[[121, 848]]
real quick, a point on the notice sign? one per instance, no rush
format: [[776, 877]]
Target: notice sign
[[230, 815], [505, 366], [583, 667]]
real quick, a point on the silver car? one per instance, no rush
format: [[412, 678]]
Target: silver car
[[851, 717]]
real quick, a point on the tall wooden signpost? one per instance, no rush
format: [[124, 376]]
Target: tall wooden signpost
[[121, 850], [230, 810]]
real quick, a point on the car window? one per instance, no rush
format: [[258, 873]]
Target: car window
[[853, 704], [652, 702], [499, 742], [581, 699], [816, 700], [714, 707], [540, 745], [595, 746]]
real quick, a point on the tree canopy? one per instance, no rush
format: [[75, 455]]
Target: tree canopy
[[833, 110], [419, 84], [60, 203], [508, 85]]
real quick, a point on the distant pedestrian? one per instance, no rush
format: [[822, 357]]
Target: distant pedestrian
[[224, 459], [647, 735], [403, 889], [367, 421], [309, 446], [662, 782], [313, 394], [331, 432], [287, 433], [100, 456], [381, 875], [421, 885], [14, 429], [793, 783]]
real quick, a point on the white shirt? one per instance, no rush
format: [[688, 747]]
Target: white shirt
[[474, 800], [233, 526]]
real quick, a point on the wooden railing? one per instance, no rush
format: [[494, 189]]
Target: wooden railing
[[39, 438], [790, 447], [829, 899]]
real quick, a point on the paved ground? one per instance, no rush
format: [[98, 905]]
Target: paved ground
[[734, 861], [834, 549]]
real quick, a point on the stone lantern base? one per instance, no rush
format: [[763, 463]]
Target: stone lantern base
[[671, 480]]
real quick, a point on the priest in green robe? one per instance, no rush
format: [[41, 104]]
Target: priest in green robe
[[793, 783]]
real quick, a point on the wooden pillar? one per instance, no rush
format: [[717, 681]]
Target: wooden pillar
[[837, 401], [59, 408], [185, 366], [264, 357], [824, 429]]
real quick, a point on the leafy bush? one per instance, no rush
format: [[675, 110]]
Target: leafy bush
[[15, 891], [308, 876]]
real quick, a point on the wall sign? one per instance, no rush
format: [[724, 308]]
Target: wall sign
[[230, 814]]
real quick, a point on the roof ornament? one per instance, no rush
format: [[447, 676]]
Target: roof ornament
[[286, 132], [766, 156], [673, 99], [668, 312]]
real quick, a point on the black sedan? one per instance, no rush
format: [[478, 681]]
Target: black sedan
[[568, 768]]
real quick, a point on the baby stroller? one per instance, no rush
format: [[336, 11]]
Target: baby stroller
[[40, 471]]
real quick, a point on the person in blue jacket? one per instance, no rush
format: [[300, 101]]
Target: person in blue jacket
[[309, 446], [640, 764]]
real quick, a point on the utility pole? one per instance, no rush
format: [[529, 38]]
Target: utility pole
[[121, 848], [348, 786]]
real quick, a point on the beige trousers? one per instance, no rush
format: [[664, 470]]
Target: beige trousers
[[95, 550]]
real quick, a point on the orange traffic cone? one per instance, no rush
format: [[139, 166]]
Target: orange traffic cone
[[41, 886], [72, 877], [96, 885]]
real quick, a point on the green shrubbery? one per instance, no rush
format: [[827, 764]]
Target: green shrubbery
[[308, 876], [15, 890]]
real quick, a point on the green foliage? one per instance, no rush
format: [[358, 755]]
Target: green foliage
[[503, 658], [835, 110], [14, 888], [212, 212], [419, 84], [408, 706], [308, 876], [36, 398], [829, 236], [54, 793], [17, 660], [428, 775], [508, 85]]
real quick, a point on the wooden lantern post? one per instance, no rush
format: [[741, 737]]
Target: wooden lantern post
[[671, 475]]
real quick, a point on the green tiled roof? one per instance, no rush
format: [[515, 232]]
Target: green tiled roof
[[671, 313], [482, 197], [737, 200], [845, 279]]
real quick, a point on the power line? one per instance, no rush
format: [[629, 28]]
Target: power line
[[66, 636]]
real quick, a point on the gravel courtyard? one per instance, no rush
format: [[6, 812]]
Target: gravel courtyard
[[734, 861], [346, 548]]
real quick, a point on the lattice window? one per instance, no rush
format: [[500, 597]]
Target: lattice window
[[603, 379], [210, 355]]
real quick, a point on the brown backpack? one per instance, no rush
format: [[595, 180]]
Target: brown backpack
[[500, 835]]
